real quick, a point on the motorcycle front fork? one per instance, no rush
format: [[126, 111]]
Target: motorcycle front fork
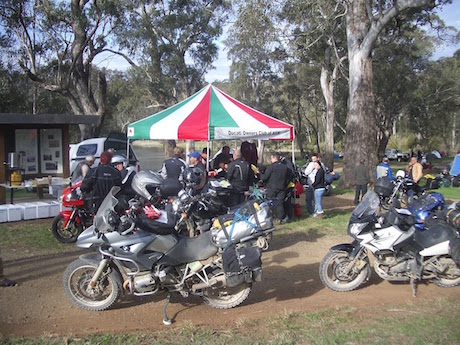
[[71, 219], [102, 265], [356, 254]]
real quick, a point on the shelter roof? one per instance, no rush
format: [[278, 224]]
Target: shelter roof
[[37, 119], [210, 114]]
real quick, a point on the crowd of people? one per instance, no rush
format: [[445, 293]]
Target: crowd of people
[[413, 170], [238, 168]]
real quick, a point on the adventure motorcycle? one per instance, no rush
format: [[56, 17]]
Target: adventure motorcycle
[[394, 192], [146, 257], [401, 253], [203, 211], [68, 224]]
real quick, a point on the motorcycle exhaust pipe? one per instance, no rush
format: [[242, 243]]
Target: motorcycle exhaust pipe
[[213, 281], [127, 285]]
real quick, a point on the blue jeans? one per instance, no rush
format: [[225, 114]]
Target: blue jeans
[[319, 199]]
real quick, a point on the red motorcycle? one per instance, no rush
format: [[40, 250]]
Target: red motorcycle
[[68, 224]]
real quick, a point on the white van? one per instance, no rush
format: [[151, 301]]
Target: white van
[[95, 146]]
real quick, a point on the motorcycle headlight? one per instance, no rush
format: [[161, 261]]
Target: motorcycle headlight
[[176, 204], [355, 228], [183, 196]]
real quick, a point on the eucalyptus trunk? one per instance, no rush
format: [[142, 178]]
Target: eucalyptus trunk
[[361, 136], [327, 87]]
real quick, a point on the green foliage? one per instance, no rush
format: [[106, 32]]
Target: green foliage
[[161, 35]]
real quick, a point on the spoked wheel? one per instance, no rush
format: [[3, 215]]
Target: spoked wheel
[[448, 278], [103, 295], [226, 297], [335, 275], [62, 234]]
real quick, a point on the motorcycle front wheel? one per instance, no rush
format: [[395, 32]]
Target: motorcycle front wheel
[[335, 275], [226, 297], [448, 278], [62, 234], [103, 295]]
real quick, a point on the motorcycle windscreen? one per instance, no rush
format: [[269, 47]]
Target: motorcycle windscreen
[[368, 205], [107, 208]]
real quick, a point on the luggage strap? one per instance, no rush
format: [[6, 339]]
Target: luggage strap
[[236, 218]]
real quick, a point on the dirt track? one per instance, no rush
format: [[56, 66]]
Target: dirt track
[[39, 306]]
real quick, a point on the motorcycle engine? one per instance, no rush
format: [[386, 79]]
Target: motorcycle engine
[[145, 283], [390, 267]]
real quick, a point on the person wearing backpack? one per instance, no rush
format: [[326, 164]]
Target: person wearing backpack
[[240, 176]]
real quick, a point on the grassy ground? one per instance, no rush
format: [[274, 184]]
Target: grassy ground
[[434, 322]]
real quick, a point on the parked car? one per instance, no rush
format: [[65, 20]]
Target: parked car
[[95, 146], [394, 154]]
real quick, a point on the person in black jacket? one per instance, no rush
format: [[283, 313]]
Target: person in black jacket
[[174, 167], [277, 177], [320, 188], [240, 176], [98, 182], [289, 199]]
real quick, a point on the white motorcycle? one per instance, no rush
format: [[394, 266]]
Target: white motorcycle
[[401, 253]]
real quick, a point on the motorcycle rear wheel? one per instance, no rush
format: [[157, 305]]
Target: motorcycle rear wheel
[[331, 272], [76, 284], [225, 297], [62, 234]]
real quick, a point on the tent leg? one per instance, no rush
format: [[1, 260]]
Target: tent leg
[[208, 157]]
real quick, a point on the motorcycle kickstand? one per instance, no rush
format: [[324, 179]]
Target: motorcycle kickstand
[[413, 284], [166, 320]]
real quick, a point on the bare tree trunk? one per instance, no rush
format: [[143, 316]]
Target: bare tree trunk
[[168, 146], [327, 86], [260, 150], [361, 136], [363, 27], [299, 126]]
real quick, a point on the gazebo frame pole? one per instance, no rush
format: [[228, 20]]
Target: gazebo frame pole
[[293, 146], [208, 156]]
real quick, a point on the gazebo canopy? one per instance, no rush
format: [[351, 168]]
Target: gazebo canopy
[[210, 114]]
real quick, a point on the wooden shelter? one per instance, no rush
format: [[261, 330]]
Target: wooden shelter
[[36, 145]]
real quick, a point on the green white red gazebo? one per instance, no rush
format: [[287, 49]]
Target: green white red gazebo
[[208, 115]]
